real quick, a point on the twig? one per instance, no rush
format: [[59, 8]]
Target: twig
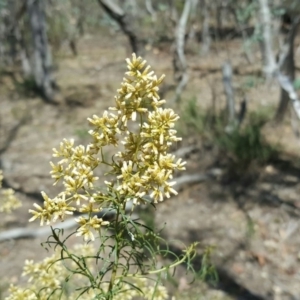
[[19, 233], [125, 23]]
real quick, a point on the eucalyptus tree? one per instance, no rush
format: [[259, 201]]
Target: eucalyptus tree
[[179, 60]]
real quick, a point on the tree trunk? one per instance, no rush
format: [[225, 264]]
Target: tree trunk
[[150, 10], [267, 40], [193, 20], [42, 58], [219, 19], [287, 85], [287, 67], [180, 34], [179, 61], [131, 6], [25, 61], [227, 81], [11, 37], [3, 37], [81, 17], [205, 35], [118, 14]]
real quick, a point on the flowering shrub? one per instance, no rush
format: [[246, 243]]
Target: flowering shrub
[[124, 263], [47, 280]]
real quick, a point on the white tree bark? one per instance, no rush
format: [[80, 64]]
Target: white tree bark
[[25, 61], [286, 65], [227, 81], [150, 9], [287, 85], [180, 65], [267, 40], [180, 33]]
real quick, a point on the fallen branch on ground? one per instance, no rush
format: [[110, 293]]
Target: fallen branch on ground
[[18, 233]]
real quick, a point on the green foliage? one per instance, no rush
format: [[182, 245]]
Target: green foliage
[[82, 133], [208, 271], [58, 30], [252, 81], [27, 86], [68, 19], [247, 144], [162, 7], [147, 215], [245, 13], [3, 4], [194, 119], [250, 227], [277, 11], [297, 83], [244, 144]]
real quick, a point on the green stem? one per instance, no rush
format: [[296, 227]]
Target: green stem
[[117, 254], [190, 253]]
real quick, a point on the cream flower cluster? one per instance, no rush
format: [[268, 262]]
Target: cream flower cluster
[[143, 131], [8, 200], [46, 280]]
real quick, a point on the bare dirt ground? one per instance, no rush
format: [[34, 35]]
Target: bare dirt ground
[[252, 218]]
